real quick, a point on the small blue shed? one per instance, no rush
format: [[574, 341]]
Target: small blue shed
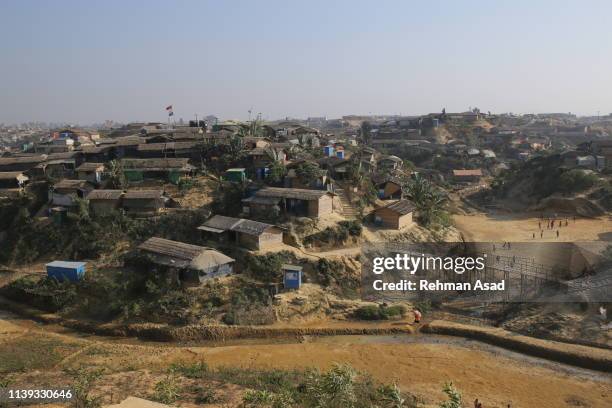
[[60, 270], [340, 154], [292, 276], [328, 151]]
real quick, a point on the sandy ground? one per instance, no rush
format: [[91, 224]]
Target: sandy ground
[[496, 377], [486, 227], [423, 368]]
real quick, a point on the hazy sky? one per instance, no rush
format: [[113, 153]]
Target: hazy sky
[[86, 61]]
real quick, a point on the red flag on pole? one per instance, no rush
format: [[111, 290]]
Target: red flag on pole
[[169, 107]]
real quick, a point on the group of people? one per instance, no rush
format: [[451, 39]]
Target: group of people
[[551, 224]]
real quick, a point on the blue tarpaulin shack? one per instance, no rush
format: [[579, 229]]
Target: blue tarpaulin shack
[[292, 276], [60, 270]]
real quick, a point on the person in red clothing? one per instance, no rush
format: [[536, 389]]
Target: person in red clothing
[[417, 316]]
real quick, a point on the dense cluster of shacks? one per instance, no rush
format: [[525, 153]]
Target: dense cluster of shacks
[[80, 162]]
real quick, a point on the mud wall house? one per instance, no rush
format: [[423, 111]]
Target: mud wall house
[[155, 150], [170, 169], [55, 146], [247, 233], [467, 175], [337, 168], [292, 180], [187, 149], [12, 183], [127, 146], [396, 215], [143, 202], [56, 168], [188, 264], [97, 154], [290, 201], [91, 172], [64, 192], [260, 158], [387, 186], [102, 202], [255, 142]]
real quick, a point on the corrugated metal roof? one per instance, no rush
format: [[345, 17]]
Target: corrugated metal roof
[[251, 227], [143, 194], [66, 264], [402, 207], [221, 222], [105, 194], [294, 193], [156, 164]]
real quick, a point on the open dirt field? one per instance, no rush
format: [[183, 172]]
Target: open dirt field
[[513, 228], [419, 364]]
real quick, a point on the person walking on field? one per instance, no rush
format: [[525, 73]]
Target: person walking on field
[[417, 316], [541, 233], [557, 233]]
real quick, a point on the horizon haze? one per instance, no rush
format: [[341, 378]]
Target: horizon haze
[[84, 62]]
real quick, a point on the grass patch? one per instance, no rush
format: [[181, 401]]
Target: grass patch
[[33, 353], [341, 386]]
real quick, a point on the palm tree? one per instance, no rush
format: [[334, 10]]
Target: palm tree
[[428, 200]]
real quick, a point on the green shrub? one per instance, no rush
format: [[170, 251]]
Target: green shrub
[[195, 370], [454, 397], [167, 391], [381, 312], [335, 235], [576, 180]]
